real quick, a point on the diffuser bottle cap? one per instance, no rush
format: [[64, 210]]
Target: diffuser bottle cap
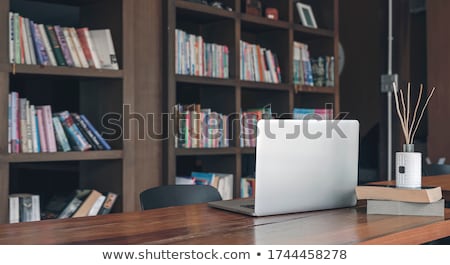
[[408, 147]]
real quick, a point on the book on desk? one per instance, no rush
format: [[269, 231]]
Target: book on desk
[[391, 200]]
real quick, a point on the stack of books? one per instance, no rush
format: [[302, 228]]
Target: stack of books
[[390, 200]]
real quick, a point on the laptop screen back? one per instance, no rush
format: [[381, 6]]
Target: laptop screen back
[[305, 165]]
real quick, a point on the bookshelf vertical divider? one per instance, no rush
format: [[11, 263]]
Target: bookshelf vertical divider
[[199, 20]]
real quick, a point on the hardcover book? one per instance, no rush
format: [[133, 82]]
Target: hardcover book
[[87, 204], [110, 199], [424, 195], [104, 46], [406, 208]]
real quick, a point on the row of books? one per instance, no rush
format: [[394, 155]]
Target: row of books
[[249, 120], [309, 113], [223, 182], [195, 57], [26, 207], [198, 127], [39, 44], [390, 200], [312, 71], [35, 129], [259, 64]]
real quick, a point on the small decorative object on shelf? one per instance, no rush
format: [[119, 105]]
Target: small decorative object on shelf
[[253, 7], [271, 13], [408, 164], [306, 15]]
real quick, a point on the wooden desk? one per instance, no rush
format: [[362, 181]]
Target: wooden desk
[[199, 224]]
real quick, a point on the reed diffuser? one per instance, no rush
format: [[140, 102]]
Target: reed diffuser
[[408, 164]]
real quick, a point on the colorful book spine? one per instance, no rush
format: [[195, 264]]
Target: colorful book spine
[[41, 128], [96, 133], [41, 53], [88, 47], [61, 139], [47, 45], [88, 134], [76, 41], [71, 47], [63, 44], [30, 42], [56, 47], [74, 134], [49, 131]]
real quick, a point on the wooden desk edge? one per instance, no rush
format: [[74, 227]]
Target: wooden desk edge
[[414, 236]]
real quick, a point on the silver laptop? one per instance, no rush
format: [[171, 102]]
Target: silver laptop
[[302, 165]]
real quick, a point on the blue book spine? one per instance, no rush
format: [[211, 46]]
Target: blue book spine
[[41, 53], [202, 178], [96, 133], [37, 135], [80, 143]]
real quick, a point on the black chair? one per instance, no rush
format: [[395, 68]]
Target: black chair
[[435, 169], [176, 195]]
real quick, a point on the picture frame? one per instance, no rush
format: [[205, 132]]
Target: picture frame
[[306, 15]]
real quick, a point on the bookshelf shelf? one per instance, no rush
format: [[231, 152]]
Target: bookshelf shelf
[[64, 71], [230, 28], [314, 32], [313, 89], [186, 8], [248, 150], [205, 151], [257, 23], [205, 80], [264, 86], [65, 156]]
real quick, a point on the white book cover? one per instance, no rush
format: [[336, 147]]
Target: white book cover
[[48, 47], [104, 47], [24, 40], [97, 205], [225, 185], [14, 216], [11, 39], [35, 209]]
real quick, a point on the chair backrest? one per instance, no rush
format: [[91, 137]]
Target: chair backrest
[[175, 195], [435, 169]]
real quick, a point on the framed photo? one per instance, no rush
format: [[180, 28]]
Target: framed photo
[[306, 15]]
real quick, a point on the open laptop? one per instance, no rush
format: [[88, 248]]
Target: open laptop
[[302, 165]]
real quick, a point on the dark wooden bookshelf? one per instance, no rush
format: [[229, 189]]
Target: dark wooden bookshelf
[[132, 166], [64, 156], [313, 89], [205, 151], [64, 71], [235, 95]]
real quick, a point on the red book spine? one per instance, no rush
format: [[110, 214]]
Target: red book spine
[[82, 36]]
